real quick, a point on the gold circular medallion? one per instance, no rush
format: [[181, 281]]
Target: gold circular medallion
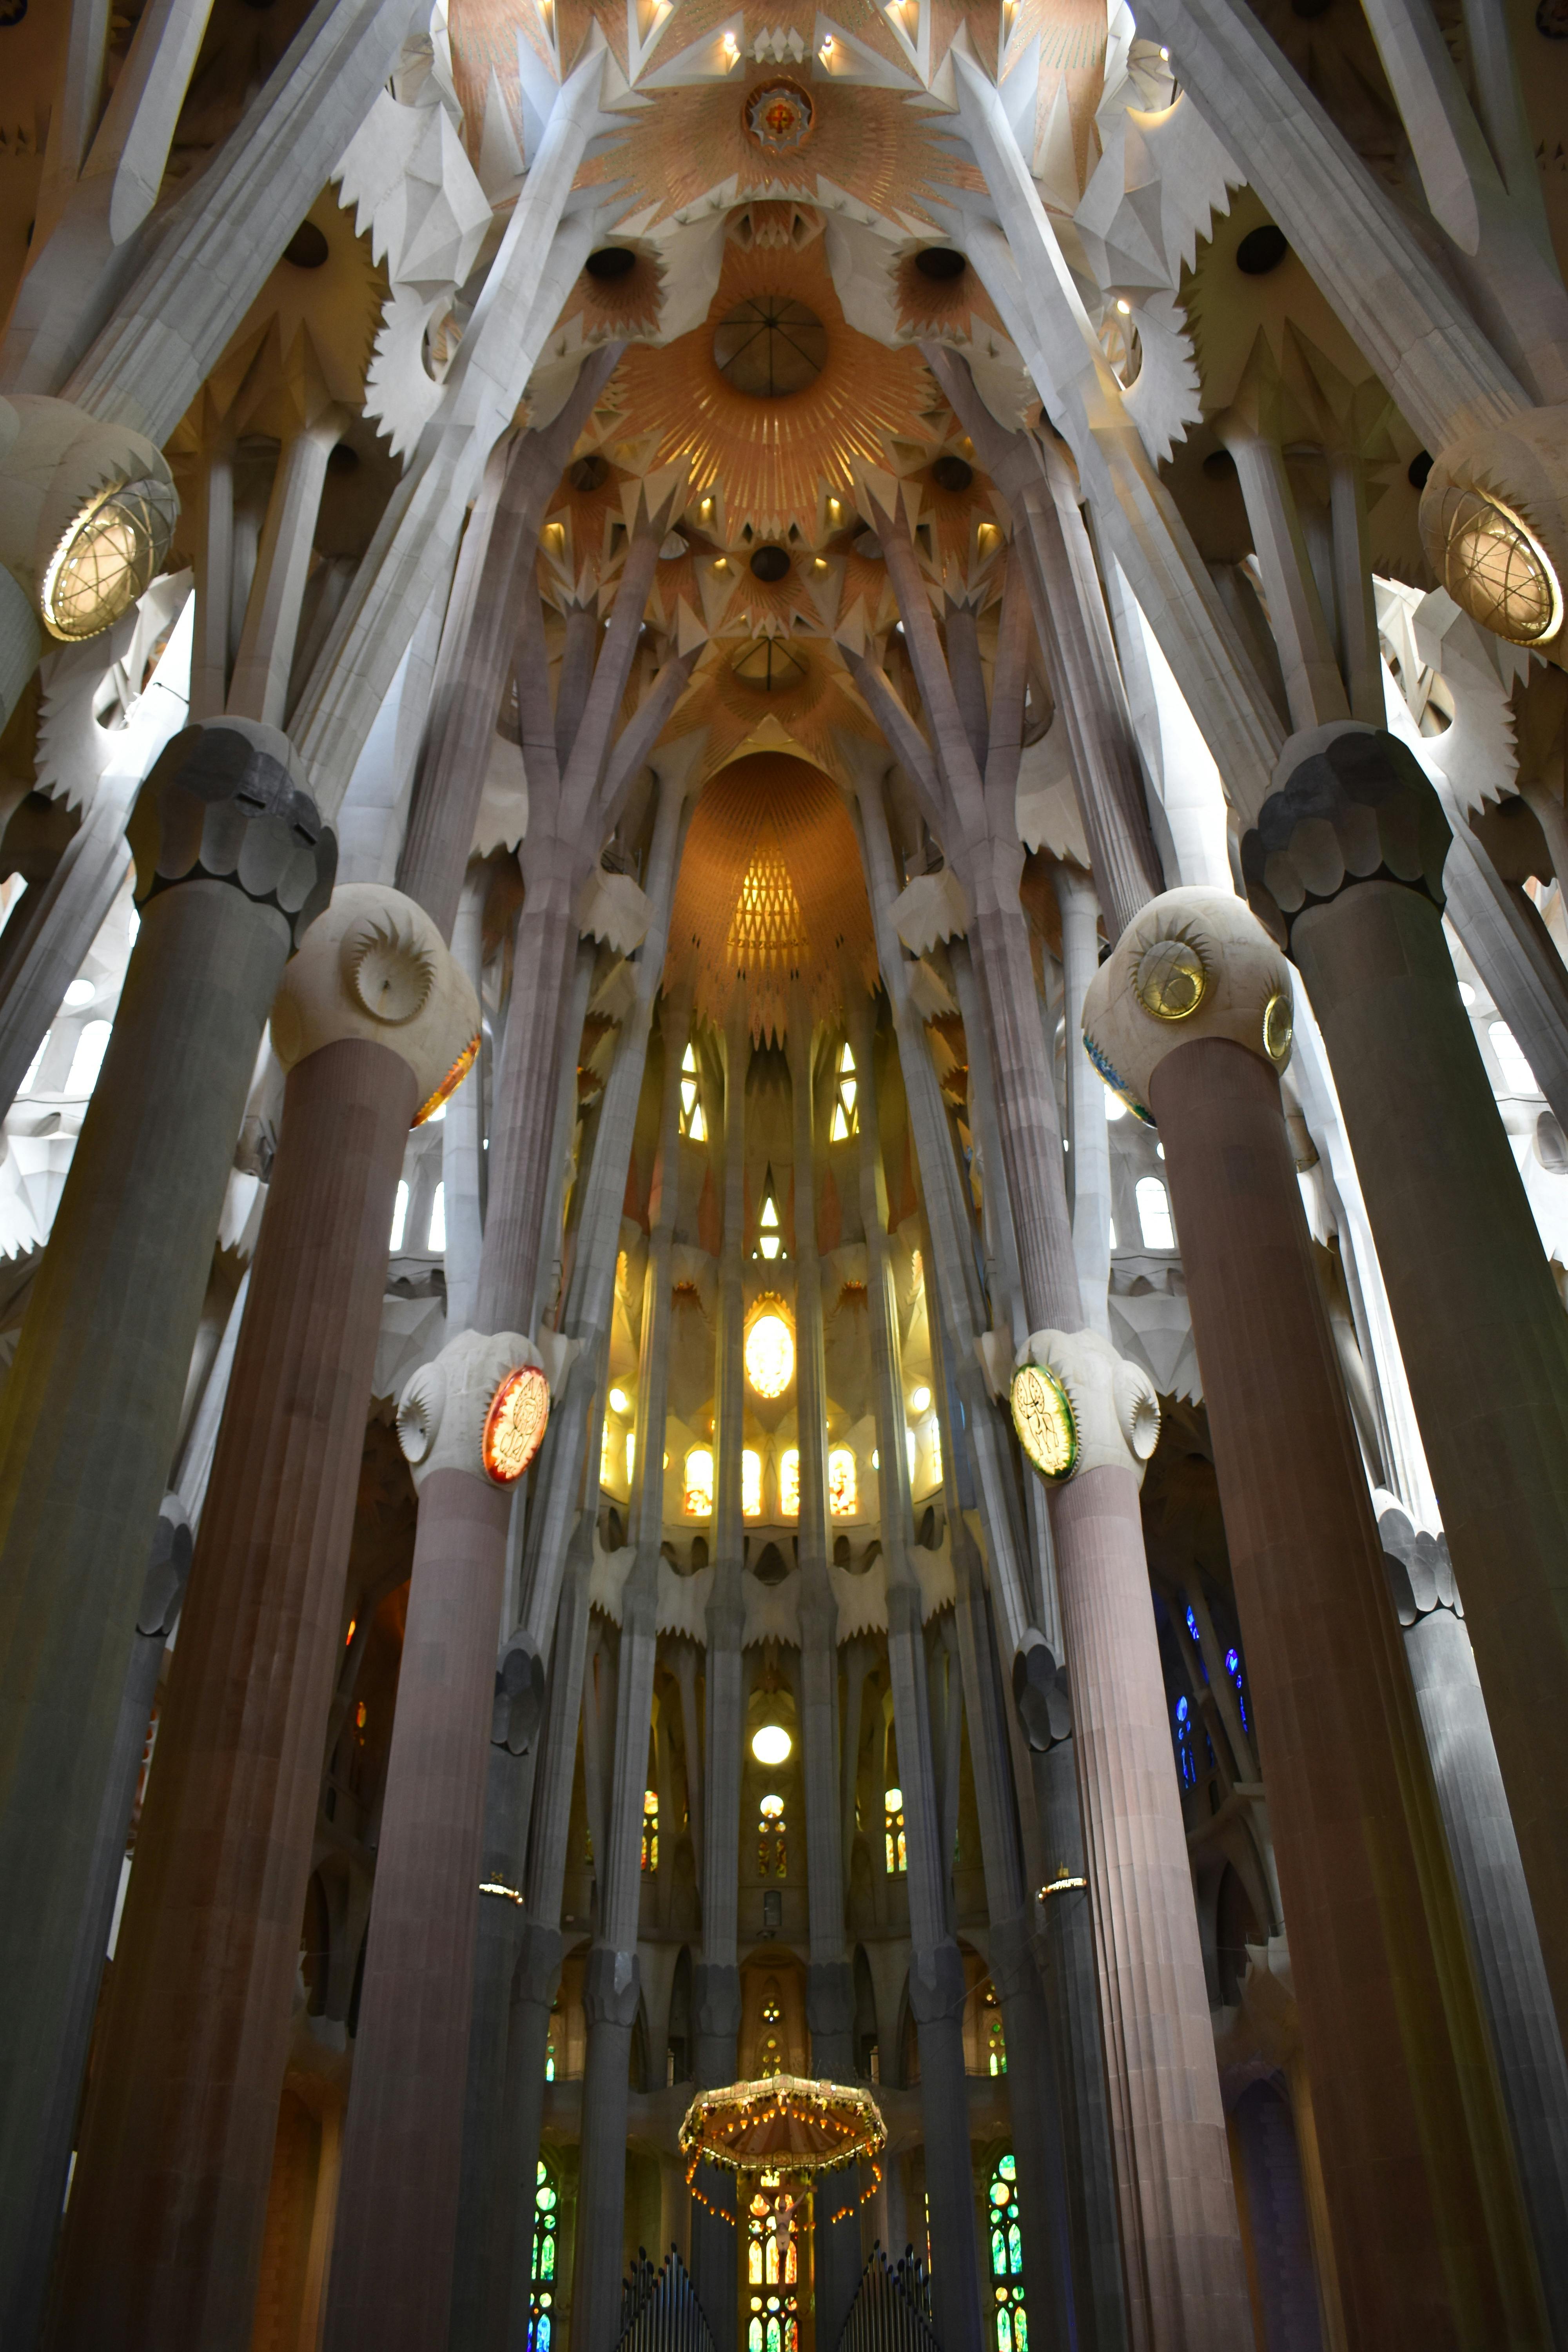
[[1043, 1417], [515, 1424], [1170, 981], [780, 115], [1278, 1028]]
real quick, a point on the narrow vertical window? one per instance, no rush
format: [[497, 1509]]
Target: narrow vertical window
[[697, 1503], [996, 2040], [542, 2276], [789, 1482], [841, 1486], [694, 1119], [772, 1858], [650, 1829], [751, 1484], [1011, 2323], [438, 1221], [399, 1217], [843, 1122], [1154, 1213], [893, 1832]]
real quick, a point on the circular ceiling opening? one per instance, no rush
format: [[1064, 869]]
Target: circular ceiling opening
[[1420, 465], [771, 564], [770, 666], [590, 473], [306, 248], [1261, 250], [611, 261], [769, 346], [940, 262], [951, 473]]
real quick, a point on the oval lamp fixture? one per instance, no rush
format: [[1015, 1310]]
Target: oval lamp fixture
[[770, 1744]]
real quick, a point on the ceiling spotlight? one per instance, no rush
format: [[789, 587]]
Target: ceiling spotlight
[[619, 1402], [1124, 307], [770, 1744], [919, 1398]]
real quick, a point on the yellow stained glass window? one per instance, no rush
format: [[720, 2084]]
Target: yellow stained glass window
[[771, 1854], [769, 1240], [841, 1487], [697, 1503], [650, 1829], [751, 1484], [693, 1120], [770, 1350], [893, 1832], [789, 1482], [843, 1122]]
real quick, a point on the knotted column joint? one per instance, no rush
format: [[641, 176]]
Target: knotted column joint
[[1352, 805], [225, 801], [375, 968]]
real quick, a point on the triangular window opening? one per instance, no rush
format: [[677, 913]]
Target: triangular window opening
[[769, 1239], [693, 1119], [845, 1120]]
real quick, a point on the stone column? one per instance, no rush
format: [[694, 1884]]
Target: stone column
[[714, 2249], [1345, 864], [1089, 1169], [231, 860], [612, 1986], [830, 1999], [937, 1989], [463, 1131], [391, 2280], [177, 2157], [160, 1606], [1192, 1015], [1495, 1901]]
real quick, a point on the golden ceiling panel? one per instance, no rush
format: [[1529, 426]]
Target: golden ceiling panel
[[771, 455], [770, 870]]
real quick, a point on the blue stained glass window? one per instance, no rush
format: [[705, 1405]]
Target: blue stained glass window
[[1185, 1745], [1233, 1668]]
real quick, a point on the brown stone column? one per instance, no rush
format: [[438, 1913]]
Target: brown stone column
[[169, 2200], [1193, 1013], [402, 2141]]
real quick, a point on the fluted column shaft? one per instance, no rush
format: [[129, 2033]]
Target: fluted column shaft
[[1090, 1158], [1428, 2235], [170, 2204]]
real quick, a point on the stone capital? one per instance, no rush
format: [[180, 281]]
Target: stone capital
[[937, 1989], [1352, 805], [1190, 964], [444, 1408], [716, 1987], [537, 1975], [1114, 1407], [829, 1998], [225, 802], [1420, 1573], [373, 966], [612, 1982]]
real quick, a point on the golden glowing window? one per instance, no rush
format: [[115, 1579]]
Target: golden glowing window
[[697, 1498], [996, 2040], [631, 1456], [770, 1350], [769, 1242], [789, 1482], [610, 1455], [893, 1832], [841, 1489], [772, 1858], [650, 1829], [750, 1484], [843, 1114], [694, 1119]]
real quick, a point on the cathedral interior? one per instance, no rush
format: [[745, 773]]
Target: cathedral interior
[[783, 1177]]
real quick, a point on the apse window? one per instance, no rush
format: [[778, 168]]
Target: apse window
[[844, 1124], [650, 1829], [1517, 1075], [841, 1488], [697, 1500], [771, 1851], [1011, 2323], [1154, 1215], [896, 1847], [751, 1484], [542, 2275], [694, 1119], [772, 2268], [789, 1482], [770, 1352]]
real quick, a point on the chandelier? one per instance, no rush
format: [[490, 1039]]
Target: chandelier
[[786, 2129]]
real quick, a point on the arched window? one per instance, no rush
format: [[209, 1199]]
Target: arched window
[[996, 2040], [769, 1349], [1185, 1744], [546, 2215], [693, 1123], [751, 1484], [1517, 1075], [893, 1831], [1234, 1669], [438, 1221], [772, 1858], [789, 1482], [1154, 1213], [93, 1043], [845, 1121], [697, 1503], [841, 1488], [650, 1829], [773, 2269], [1011, 2323], [553, 2044], [399, 1218]]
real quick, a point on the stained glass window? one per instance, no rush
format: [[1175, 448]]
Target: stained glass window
[[698, 1493], [771, 1854], [768, 1238], [841, 1483], [750, 1484], [789, 1482], [845, 1119], [1011, 2323], [769, 1353], [773, 2269], [996, 2040], [546, 2215], [893, 1831], [650, 1829], [1185, 1744], [770, 2052], [1234, 1669], [693, 1122]]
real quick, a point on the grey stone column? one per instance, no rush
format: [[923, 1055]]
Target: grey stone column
[[830, 2002], [231, 859], [1492, 1891], [160, 1605], [1344, 865], [611, 1992], [714, 2249], [937, 1989], [463, 1131], [1088, 1166]]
